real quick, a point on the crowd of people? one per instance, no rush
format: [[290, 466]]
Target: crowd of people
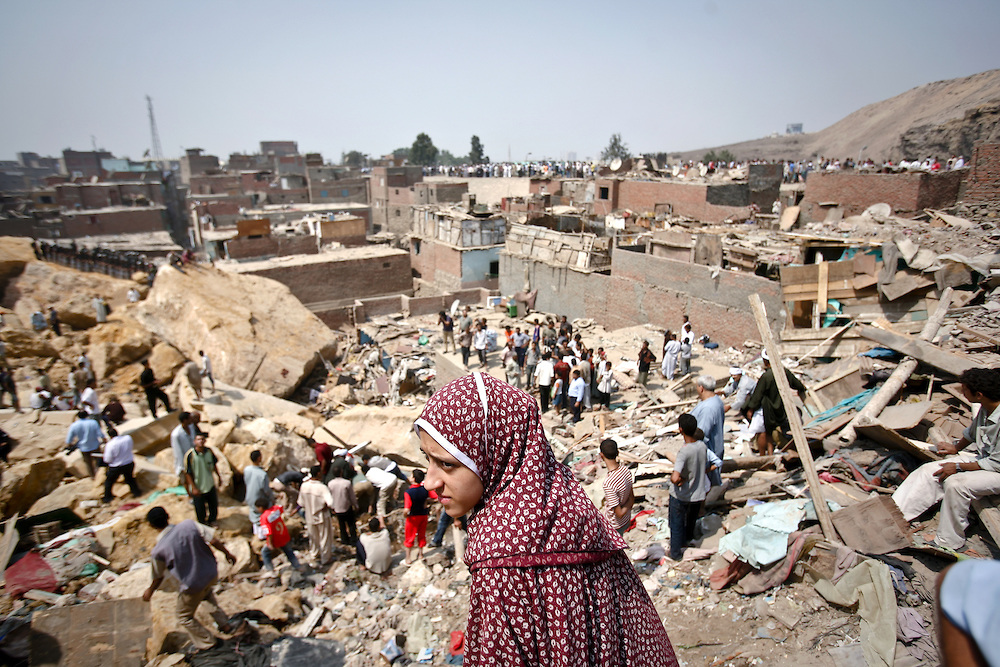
[[117, 263]]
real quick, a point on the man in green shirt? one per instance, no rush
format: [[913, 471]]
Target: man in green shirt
[[200, 464]]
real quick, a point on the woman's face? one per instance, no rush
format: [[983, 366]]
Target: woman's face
[[458, 488]]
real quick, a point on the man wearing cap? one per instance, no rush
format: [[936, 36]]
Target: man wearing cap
[[765, 396], [740, 386]]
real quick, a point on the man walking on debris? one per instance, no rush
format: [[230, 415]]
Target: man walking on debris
[[152, 389], [272, 530], [183, 550], [258, 487], [85, 435], [765, 395], [447, 329], [121, 463], [646, 358], [618, 496], [315, 499], [199, 465], [385, 486], [971, 471], [688, 486], [206, 368], [181, 443], [345, 503]]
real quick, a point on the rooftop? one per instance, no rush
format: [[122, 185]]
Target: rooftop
[[334, 255]]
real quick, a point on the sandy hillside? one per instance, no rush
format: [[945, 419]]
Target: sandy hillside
[[881, 125]]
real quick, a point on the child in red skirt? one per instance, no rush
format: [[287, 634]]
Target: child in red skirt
[[415, 503]]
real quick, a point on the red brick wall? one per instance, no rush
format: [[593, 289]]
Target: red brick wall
[[115, 222], [983, 184], [854, 192], [437, 263], [687, 199], [271, 246], [345, 278], [228, 184]]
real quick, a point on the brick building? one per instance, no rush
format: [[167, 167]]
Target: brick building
[[335, 278], [83, 164], [453, 250], [983, 183], [707, 202], [643, 288], [854, 191], [392, 182], [194, 163]]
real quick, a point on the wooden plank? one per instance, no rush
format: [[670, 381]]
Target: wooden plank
[[904, 283], [826, 341], [993, 340], [903, 416], [875, 526], [824, 286], [989, 514], [918, 349], [9, 542], [874, 431], [798, 435]]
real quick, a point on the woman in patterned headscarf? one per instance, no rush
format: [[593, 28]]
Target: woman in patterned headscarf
[[550, 582]]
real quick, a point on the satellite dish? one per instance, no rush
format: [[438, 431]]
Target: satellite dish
[[877, 211], [454, 307], [616, 164]]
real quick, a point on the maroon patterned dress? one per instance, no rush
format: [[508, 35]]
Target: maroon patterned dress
[[550, 582]]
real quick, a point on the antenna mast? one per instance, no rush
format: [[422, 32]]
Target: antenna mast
[[157, 151]]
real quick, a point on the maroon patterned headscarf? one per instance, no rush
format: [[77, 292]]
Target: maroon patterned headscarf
[[551, 584], [532, 506]]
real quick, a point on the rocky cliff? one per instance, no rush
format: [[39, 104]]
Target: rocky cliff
[[257, 334]]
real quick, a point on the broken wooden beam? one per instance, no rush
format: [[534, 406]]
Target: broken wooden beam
[[901, 374], [921, 350], [798, 435]]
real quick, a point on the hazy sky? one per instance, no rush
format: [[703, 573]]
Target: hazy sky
[[542, 77]]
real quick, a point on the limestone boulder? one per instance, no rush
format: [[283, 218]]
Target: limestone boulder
[[255, 332], [116, 344], [24, 483], [38, 434], [42, 284], [15, 254], [22, 343], [166, 635], [68, 495], [280, 451], [389, 429], [165, 360]]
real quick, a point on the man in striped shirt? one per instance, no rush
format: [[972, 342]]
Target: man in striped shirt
[[618, 498]]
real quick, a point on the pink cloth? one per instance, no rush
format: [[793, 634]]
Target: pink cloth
[[550, 583]]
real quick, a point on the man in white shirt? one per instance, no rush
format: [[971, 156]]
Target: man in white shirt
[[181, 442], [385, 485], [88, 399], [206, 368], [118, 456], [576, 390], [544, 373]]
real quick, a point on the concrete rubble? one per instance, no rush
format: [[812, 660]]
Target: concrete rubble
[[729, 601]]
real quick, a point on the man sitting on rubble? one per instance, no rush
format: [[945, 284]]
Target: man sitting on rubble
[[971, 471], [183, 551]]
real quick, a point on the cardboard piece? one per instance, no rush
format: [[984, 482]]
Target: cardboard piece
[[903, 416], [876, 432], [875, 526], [98, 634]]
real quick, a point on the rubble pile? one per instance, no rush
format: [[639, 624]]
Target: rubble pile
[[765, 581]]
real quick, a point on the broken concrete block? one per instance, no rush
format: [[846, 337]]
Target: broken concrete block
[[25, 483], [91, 635]]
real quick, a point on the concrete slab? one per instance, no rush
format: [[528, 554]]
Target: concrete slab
[[99, 634]]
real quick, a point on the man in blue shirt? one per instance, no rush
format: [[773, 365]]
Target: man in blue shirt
[[85, 434]]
